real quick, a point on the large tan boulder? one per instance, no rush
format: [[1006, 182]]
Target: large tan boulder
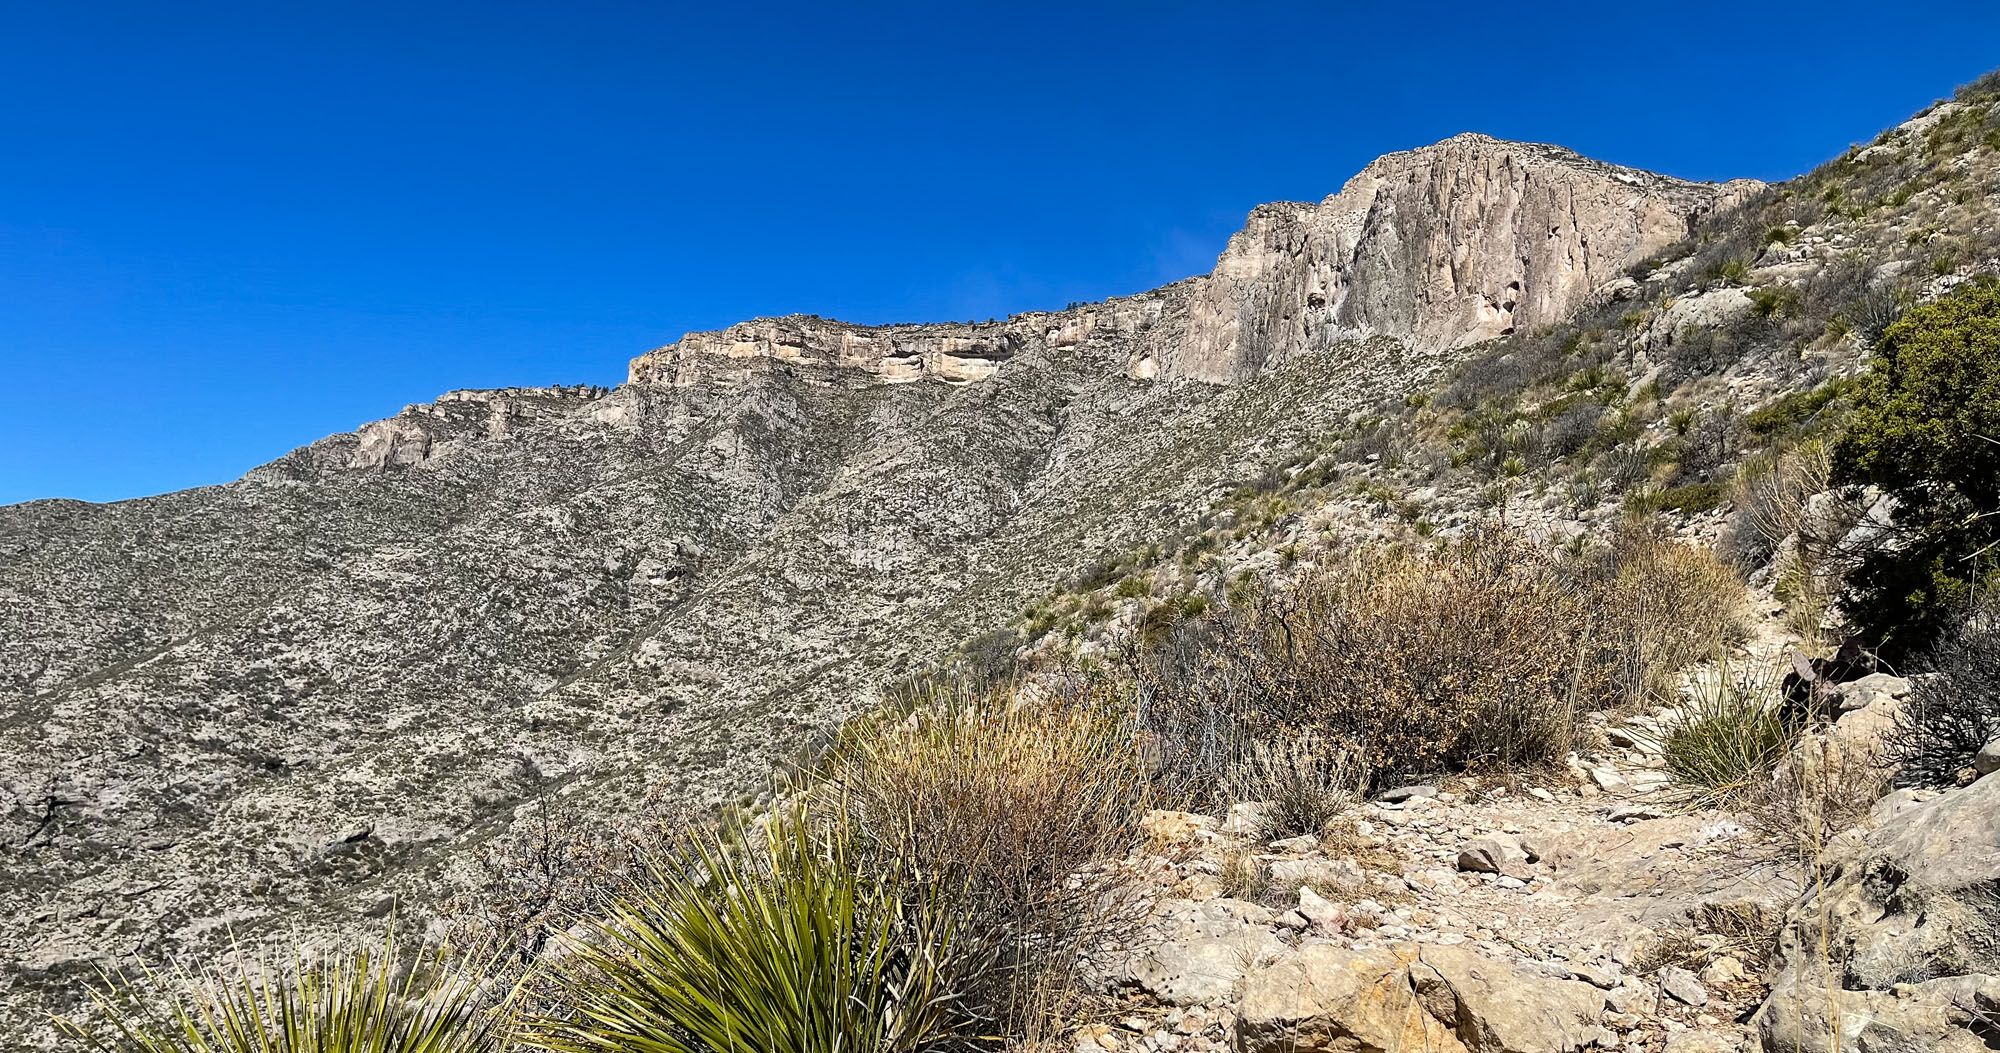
[[1412, 997], [1900, 949]]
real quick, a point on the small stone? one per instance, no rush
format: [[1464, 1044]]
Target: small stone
[[1724, 970], [1600, 976], [1683, 986], [1292, 919], [1405, 793], [1608, 780], [1319, 910], [1541, 794], [1647, 781], [1302, 844], [1489, 854]]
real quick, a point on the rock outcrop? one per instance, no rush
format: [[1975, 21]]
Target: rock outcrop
[[1448, 245], [1899, 950], [1437, 248]]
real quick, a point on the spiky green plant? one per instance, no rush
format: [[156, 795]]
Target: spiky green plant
[[791, 948], [1730, 734], [364, 1001]]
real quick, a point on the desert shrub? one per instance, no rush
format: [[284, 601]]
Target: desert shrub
[[1955, 711], [1800, 412], [1662, 606], [536, 878], [1686, 499], [1728, 735], [1924, 430], [1477, 652], [1307, 781], [790, 946], [1571, 429], [1007, 799], [366, 1001]]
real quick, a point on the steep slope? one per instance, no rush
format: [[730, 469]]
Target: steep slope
[[281, 703]]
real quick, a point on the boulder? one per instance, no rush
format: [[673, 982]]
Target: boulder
[[1448, 999], [1900, 941], [1987, 761], [1504, 1007], [1491, 854], [1198, 953], [1324, 998]]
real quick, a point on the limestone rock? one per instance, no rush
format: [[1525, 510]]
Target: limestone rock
[[1442, 246], [1987, 760], [1683, 986], [1491, 854], [1324, 997], [1906, 917], [1500, 1007]]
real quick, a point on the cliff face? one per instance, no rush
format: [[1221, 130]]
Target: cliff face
[[1437, 248], [289, 702]]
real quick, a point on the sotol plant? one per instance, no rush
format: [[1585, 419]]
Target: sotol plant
[[341, 1002], [790, 947]]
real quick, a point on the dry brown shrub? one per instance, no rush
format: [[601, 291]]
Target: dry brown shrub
[[1665, 606], [1484, 652], [552, 867], [1014, 800]]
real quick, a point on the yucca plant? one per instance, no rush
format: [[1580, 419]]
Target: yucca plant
[[365, 1001], [791, 948]]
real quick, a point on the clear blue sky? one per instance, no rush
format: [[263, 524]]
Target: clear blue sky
[[229, 229]]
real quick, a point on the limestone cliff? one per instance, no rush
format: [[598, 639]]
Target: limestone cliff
[[1438, 247]]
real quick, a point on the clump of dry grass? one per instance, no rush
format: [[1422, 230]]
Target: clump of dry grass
[[1664, 607], [1306, 781], [1011, 800], [1821, 790]]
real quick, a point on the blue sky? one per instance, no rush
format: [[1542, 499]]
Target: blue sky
[[227, 230]]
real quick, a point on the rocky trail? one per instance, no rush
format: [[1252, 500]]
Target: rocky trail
[[1601, 906]]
